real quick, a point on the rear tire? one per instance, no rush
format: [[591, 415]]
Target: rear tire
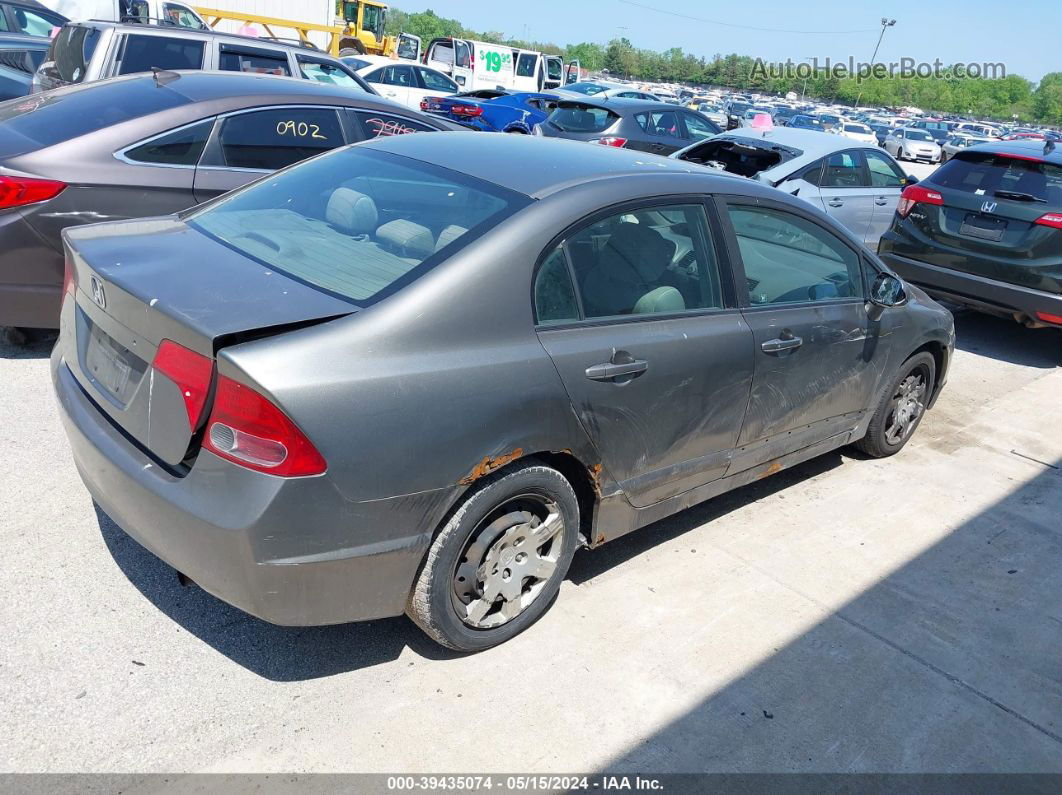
[[498, 562], [901, 408]]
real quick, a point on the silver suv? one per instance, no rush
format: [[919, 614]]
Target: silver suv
[[86, 51]]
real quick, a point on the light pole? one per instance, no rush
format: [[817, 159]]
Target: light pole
[[885, 23], [804, 90]]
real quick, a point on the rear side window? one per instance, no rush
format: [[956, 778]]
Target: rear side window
[[278, 137], [72, 50], [263, 62], [384, 125], [843, 170], [985, 174], [142, 53], [572, 117], [662, 124], [181, 147], [356, 223], [433, 81]]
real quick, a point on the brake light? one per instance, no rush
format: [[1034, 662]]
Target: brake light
[[190, 371], [916, 194], [1047, 317], [466, 110], [68, 277], [20, 191], [610, 140], [1053, 220], [245, 428]]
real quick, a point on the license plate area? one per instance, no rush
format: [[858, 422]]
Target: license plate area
[[113, 369], [983, 228]]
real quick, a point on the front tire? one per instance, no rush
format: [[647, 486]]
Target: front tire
[[497, 564], [901, 408]]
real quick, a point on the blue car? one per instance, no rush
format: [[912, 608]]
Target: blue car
[[19, 58], [804, 122], [494, 110]]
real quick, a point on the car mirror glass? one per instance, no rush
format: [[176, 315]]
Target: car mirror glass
[[887, 291]]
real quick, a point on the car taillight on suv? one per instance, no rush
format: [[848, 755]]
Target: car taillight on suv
[[916, 194]]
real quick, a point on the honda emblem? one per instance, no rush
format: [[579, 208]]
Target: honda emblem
[[989, 207], [96, 287]]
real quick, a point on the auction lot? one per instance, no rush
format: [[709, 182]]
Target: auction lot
[[846, 615]]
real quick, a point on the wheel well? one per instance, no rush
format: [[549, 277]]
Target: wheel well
[[940, 359], [352, 44]]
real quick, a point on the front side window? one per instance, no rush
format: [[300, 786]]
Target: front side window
[[697, 129], [843, 170], [372, 19], [356, 223], [663, 124], [134, 11], [789, 259], [181, 16], [435, 81], [883, 172], [398, 76], [178, 148], [653, 260], [555, 300], [328, 73], [275, 138], [262, 62], [525, 65], [143, 53], [34, 24]]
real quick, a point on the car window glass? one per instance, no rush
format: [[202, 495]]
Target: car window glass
[[275, 138], [181, 16], [789, 259], [659, 123], [179, 148], [463, 55], [697, 128], [985, 173], [135, 11], [554, 293], [812, 173], [72, 50], [554, 68], [33, 24], [647, 261], [525, 65], [384, 125], [843, 170], [328, 73], [572, 117], [433, 81], [262, 62], [142, 53], [883, 172], [398, 76]]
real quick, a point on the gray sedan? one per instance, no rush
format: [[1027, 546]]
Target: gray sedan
[[856, 183], [138, 145], [416, 374]]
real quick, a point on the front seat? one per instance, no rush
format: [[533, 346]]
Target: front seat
[[631, 265]]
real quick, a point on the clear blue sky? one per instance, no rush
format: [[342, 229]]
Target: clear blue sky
[[1023, 34]]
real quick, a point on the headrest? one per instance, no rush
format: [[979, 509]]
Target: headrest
[[352, 212], [646, 249], [406, 239], [449, 235], [662, 299]]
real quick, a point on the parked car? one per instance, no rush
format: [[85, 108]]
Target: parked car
[[29, 18], [909, 143], [19, 58], [938, 128], [600, 90], [655, 127], [407, 83], [881, 131], [985, 230], [856, 131], [494, 111], [804, 122], [857, 184], [956, 143], [86, 51], [137, 145], [245, 401], [713, 113], [829, 120]]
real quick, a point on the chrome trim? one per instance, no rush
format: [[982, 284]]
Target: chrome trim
[[122, 155]]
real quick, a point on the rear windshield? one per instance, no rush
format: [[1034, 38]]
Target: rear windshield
[[573, 117], [585, 88], [49, 118], [356, 237], [986, 174]]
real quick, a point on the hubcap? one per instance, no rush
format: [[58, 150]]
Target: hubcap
[[509, 559], [908, 404]]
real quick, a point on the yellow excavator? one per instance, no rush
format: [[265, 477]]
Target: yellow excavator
[[361, 31]]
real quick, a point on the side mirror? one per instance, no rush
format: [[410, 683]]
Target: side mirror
[[887, 291], [910, 180]]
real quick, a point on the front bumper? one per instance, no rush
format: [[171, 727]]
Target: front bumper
[[979, 292], [291, 551]]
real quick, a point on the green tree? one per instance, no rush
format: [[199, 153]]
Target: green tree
[[590, 56], [1047, 101]]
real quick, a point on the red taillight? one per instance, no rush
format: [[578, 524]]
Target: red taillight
[[69, 286], [20, 191], [916, 194], [1047, 317], [466, 110], [1053, 220], [190, 371], [248, 430], [610, 140]]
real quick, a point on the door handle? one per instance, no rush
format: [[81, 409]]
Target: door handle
[[881, 201], [786, 342], [836, 203], [657, 147], [609, 371]]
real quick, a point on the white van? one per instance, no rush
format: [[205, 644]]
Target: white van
[[478, 65], [155, 12]]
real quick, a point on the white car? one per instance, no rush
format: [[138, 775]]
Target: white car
[[406, 82], [857, 132], [911, 143]]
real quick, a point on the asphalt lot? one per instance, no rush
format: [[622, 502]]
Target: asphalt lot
[[846, 615]]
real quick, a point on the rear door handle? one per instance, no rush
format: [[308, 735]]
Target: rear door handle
[[881, 201], [657, 147], [836, 203], [781, 344], [609, 371]]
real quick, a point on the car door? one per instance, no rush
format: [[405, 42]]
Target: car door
[[888, 181], [662, 132], [817, 352], [430, 84], [846, 193], [397, 81], [248, 144], [636, 309]]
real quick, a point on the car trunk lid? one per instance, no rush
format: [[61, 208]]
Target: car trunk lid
[[193, 291]]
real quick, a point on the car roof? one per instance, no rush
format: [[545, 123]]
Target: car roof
[[172, 31], [537, 166], [1034, 148]]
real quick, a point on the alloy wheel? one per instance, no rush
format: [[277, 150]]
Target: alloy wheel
[[907, 406]]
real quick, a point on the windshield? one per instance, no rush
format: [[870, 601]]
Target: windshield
[[358, 238], [918, 135], [986, 174], [857, 128], [829, 118], [575, 117], [585, 88]]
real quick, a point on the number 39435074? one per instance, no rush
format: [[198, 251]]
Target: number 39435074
[[300, 129]]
